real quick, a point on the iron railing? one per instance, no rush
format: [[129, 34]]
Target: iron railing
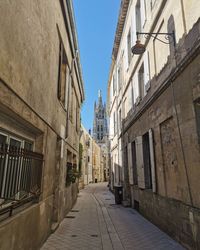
[[20, 175]]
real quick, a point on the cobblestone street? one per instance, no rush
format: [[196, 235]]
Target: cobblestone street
[[95, 222]]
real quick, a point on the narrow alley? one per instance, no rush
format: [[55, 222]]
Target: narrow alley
[[99, 125], [96, 222]]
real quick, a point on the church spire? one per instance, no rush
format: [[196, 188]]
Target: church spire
[[95, 106], [99, 98], [100, 122], [99, 93]]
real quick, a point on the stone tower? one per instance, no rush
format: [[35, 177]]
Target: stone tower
[[100, 129]]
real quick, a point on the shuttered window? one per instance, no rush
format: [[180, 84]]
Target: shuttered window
[[63, 75], [147, 161], [146, 72], [130, 166], [152, 159], [140, 162], [143, 12], [143, 157], [129, 55], [197, 113]]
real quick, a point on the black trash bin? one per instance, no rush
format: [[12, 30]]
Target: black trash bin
[[118, 194]]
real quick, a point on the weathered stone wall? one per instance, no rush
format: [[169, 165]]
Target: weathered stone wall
[[175, 206], [178, 219], [27, 229], [30, 108]]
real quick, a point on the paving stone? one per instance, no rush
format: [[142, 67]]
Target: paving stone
[[100, 224]]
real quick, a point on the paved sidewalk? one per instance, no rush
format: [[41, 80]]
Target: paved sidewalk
[[96, 222]]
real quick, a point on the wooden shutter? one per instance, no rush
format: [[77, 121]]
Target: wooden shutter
[[146, 71], [67, 88], [136, 88], [130, 103], [130, 164], [126, 56], [143, 12], [133, 29], [152, 159], [140, 162]]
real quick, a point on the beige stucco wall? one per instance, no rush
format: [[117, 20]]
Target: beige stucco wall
[[29, 108]]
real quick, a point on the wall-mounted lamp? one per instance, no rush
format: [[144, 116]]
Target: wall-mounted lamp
[[139, 48]]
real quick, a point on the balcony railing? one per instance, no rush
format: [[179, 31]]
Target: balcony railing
[[20, 176]]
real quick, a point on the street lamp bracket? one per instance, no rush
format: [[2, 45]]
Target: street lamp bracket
[[139, 48]]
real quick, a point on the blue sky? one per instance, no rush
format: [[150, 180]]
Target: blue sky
[[96, 22]]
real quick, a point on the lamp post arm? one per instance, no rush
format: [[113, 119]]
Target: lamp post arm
[[154, 35]]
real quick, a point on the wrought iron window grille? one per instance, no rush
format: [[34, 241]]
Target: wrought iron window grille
[[20, 177]]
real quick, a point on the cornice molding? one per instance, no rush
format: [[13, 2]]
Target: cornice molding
[[120, 26]]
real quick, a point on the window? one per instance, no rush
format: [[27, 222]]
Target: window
[[141, 80], [119, 77], [197, 113], [138, 17], [114, 122], [140, 12], [126, 161], [68, 104], [114, 85], [120, 119], [69, 174], [136, 92], [20, 169], [129, 47], [71, 103], [146, 72], [144, 76], [63, 75], [77, 116], [124, 109], [134, 166], [102, 128], [132, 93], [75, 110], [3, 139], [147, 161], [88, 159]]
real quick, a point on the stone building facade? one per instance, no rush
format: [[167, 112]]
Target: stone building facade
[[41, 91], [92, 164], [86, 163], [100, 131], [154, 113]]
